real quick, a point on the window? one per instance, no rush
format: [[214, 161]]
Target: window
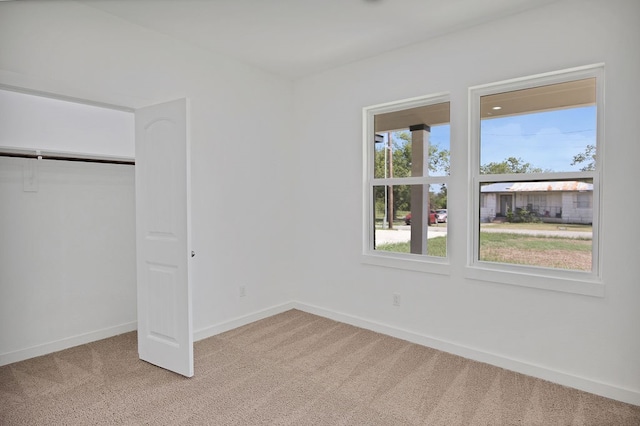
[[406, 166], [536, 154], [537, 205], [583, 200], [483, 200]]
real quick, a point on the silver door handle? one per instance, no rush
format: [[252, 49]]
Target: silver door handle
[[193, 253]]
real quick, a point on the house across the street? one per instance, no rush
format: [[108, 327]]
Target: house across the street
[[558, 201]]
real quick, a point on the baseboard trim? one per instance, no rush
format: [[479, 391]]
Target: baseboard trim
[[588, 385], [66, 343], [236, 322]]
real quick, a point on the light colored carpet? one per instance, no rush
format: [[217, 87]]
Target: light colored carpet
[[290, 369]]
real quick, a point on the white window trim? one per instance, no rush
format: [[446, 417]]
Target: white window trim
[[414, 262], [578, 282]]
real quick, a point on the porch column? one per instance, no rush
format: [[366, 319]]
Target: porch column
[[419, 193]]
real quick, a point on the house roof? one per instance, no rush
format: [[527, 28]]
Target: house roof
[[565, 185]]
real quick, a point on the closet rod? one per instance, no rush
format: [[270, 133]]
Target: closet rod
[[63, 157]]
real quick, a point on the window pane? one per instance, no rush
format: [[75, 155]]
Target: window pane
[[412, 142], [542, 129], [439, 150], [395, 159], [406, 233], [537, 223]]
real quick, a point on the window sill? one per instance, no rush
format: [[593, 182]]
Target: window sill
[[434, 265], [554, 281]]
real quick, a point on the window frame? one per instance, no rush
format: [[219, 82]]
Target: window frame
[[571, 281], [414, 262]]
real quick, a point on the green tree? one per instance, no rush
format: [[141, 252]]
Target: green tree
[[588, 156], [401, 168], [438, 200], [439, 160], [508, 166]]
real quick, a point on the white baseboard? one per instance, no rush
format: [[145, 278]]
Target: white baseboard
[[588, 385], [58, 345], [66, 343], [213, 330]]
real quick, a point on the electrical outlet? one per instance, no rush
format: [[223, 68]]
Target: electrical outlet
[[242, 291], [396, 299]]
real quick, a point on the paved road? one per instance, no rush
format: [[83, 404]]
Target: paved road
[[402, 234]]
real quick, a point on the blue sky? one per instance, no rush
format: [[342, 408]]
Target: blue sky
[[440, 136], [547, 140]]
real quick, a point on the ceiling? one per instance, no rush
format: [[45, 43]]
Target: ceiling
[[542, 98], [295, 38], [431, 115]]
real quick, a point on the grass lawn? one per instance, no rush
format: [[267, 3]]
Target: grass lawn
[[435, 247], [398, 221], [549, 252]]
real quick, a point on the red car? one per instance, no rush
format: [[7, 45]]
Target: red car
[[432, 218]]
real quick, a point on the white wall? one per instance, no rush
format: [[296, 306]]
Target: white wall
[[67, 254], [36, 122], [587, 342], [67, 263], [254, 175], [240, 134]]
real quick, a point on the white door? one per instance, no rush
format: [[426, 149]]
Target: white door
[[163, 236]]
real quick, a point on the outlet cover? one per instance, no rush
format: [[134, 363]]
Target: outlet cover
[[396, 299]]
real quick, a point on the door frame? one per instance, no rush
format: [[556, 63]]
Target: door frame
[[505, 203]]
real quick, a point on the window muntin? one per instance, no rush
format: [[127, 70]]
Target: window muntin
[[407, 163], [537, 175]]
